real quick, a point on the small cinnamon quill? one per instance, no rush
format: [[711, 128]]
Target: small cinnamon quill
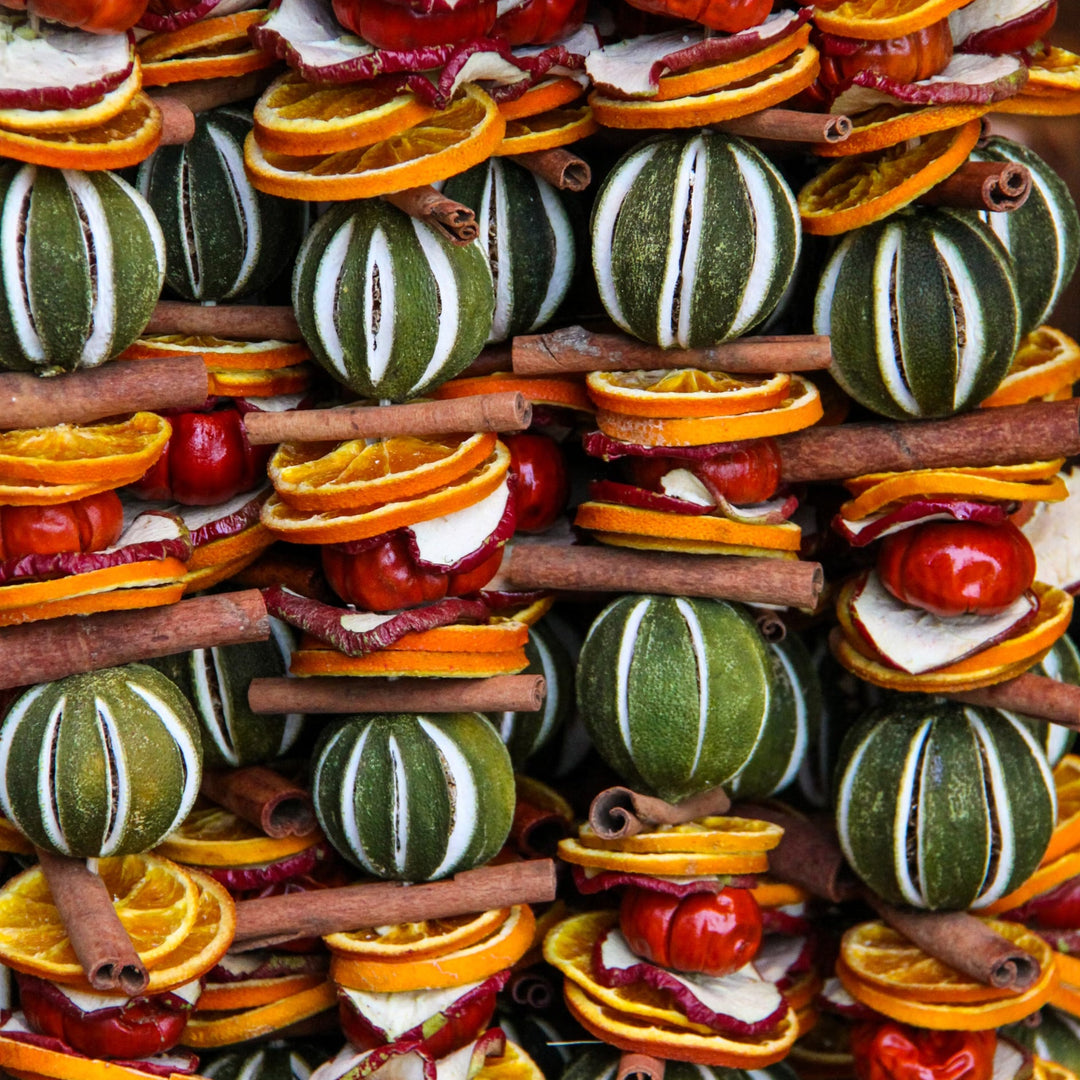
[[454, 221], [997, 186], [789, 125], [94, 929], [531, 989], [238, 322], [618, 812], [537, 825], [559, 167], [263, 798], [177, 121], [640, 1067]]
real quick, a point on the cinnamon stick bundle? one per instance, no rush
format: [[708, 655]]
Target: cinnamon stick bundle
[[239, 322], [454, 221], [123, 386], [789, 125], [1032, 695], [618, 812], [1010, 435], [559, 167], [575, 349], [51, 649], [94, 929], [177, 121], [263, 798], [997, 186], [326, 694], [607, 569], [265, 922], [507, 411]]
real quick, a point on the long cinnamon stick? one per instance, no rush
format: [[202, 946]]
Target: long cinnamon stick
[[262, 797], [727, 577], [260, 923], [122, 386], [240, 322], [789, 125], [575, 349], [507, 411], [503, 693], [1032, 695], [640, 1067], [997, 186], [44, 651], [94, 929], [177, 121], [456, 222], [1011, 435], [618, 812], [205, 94], [559, 167]]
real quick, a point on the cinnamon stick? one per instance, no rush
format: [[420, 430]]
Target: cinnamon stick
[[260, 923], [263, 798], [51, 649], [329, 695], [789, 125], [94, 929], [454, 221], [559, 167], [205, 94], [177, 121], [604, 569], [122, 386], [492, 359], [772, 627], [618, 812], [963, 942], [575, 349], [997, 186], [640, 1067], [1010, 435], [507, 411], [531, 989], [240, 322], [1032, 695]]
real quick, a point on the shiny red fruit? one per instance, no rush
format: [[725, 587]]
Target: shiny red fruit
[[748, 474], [711, 933], [730, 16], [88, 524], [951, 568], [541, 480], [388, 25], [892, 1051], [536, 22], [907, 59]]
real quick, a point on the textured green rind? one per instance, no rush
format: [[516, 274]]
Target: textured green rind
[[79, 773], [406, 836], [1055, 1038], [664, 751], [1044, 250], [11, 355], [269, 1061]]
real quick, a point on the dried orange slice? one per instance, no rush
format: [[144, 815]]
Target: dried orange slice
[[460, 637], [556, 127], [514, 1064], [208, 576], [856, 191], [451, 141], [685, 392], [13, 841], [50, 121], [1053, 71], [1066, 996], [331, 527], [879, 955], [250, 542], [358, 474], [470, 963], [251, 993], [879, 20], [31, 494], [297, 117], [212, 836], [887, 125], [708, 834], [410, 663], [28, 1062], [419, 940], [769, 87], [23, 595], [127, 138], [1046, 361], [568, 392], [799, 410], [687, 547], [274, 382], [117, 599], [83, 453], [614, 519], [218, 352], [548, 93], [1047, 875], [1051, 1070], [155, 900], [1066, 834], [665, 863], [205, 1030], [207, 49], [1063, 104], [776, 894]]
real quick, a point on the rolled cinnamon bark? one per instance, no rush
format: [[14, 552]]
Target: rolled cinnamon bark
[[123, 386], [606, 569], [618, 812], [51, 649], [640, 1067], [263, 798], [1033, 695], [772, 626], [789, 125], [177, 121], [1010, 435], [531, 989], [240, 322], [996, 186], [94, 929], [205, 94], [326, 694], [265, 922], [454, 221], [507, 411], [964, 943], [559, 167], [575, 349]]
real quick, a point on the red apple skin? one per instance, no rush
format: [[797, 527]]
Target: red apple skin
[[953, 568], [1015, 35], [389, 24], [746, 475], [541, 480]]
